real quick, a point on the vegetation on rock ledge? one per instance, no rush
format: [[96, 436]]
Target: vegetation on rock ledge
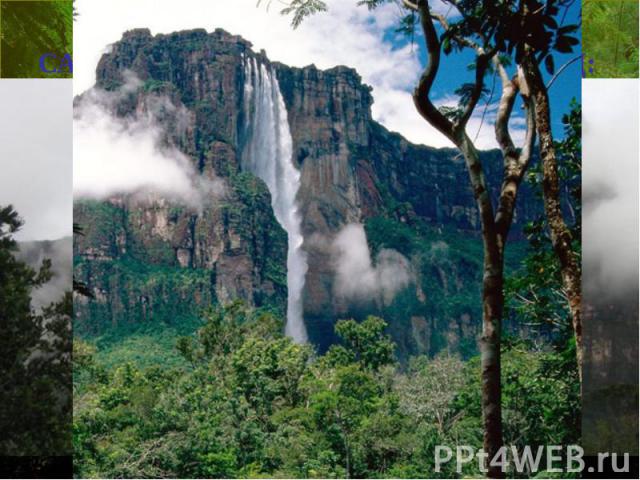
[[248, 402]]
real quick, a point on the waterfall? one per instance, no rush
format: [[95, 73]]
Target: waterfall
[[268, 154]]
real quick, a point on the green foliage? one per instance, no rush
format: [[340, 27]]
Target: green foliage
[[154, 284], [248, 402], [430, 387], [145, 347], [452, 113], [35, 369], [31, 29], [299, 9], [364, 343], [535, 292], [465, 91], [507, 27], [540, 397], [610, 38]]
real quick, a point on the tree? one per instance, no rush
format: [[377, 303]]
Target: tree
[[428, 389], [345, 397], [536, 292], [364, 343], [266, 407], [35, 369], [561, 238], [530, 32]]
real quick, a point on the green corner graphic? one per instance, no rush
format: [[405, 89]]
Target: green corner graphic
[[610, 38], [36, 38]]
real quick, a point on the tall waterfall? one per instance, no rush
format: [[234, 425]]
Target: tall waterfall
[[268, 154]]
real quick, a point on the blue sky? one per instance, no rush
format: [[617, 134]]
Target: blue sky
[[453, 72]]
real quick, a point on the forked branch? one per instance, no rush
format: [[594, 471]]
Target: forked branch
[[410, 5], [423, 103]]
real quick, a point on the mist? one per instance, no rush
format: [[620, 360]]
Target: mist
[[610, 262], [360, 278], [60, 253], [115, 155], [610, 188]]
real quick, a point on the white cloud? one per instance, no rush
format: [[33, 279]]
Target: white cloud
[[35, 152], [363, 38], [357, 277], [129, 155], [610, 186]]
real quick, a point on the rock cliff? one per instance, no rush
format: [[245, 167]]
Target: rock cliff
[[148, 259]]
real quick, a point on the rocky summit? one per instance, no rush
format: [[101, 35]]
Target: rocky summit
[[154, 261]]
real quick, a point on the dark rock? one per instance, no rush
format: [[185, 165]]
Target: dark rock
[[352, 169]]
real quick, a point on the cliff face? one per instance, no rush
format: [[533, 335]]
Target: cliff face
[[354, 169], [150, 259]]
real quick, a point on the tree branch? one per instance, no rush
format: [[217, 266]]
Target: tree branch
[[486, 106], [530, 138], [561, 69], [421, 93], [463, 40], [410, 5], [514, 164], [482, 63], [505, 108], [456, 133], [501, 70]]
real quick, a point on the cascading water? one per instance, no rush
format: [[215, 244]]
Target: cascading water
[[268, 154]]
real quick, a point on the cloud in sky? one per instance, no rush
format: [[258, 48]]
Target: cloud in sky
[[117, 155], [35, 124], [610, 186], [367, 42], [357, 277], [60, 252]]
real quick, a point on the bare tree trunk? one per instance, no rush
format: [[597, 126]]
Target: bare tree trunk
[[492, 307], [560, 234], [494, 229]]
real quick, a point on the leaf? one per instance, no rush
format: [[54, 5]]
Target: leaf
[[571, 40], [550, 22], [408, 26], [563, 46], [548, 63], [567, 29], [446, 46], [302, 9], [452, 113], [371, 4]]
